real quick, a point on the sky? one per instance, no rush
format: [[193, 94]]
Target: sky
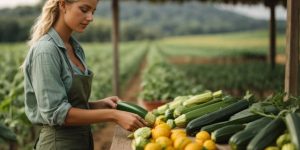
[[257, 11]]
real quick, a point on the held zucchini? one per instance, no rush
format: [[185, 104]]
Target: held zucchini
[[267, 135], [221, 115], [133, 108], [223, 134]]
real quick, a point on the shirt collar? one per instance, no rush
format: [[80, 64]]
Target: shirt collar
[[59, 42]]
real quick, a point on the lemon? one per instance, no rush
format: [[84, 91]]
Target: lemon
[[153, 146], [193, 146], [210, 145], [164, 141], [203, 135]]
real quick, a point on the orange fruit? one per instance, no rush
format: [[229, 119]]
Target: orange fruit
[[193, 146], [199, 141], [153, 146], [181, 142], [203, 135], [158, 132], [176, 135], [164, 141], [210, 145]]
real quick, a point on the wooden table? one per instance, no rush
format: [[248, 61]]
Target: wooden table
[[122, 142]]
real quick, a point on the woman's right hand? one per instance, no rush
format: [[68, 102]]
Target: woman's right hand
[[129, 121]]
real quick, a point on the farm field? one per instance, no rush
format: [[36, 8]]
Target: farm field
[[233, 62]]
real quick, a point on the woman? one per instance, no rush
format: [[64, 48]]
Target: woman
[[58, 82]]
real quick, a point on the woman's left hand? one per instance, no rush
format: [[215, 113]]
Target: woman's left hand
[[109, 102]]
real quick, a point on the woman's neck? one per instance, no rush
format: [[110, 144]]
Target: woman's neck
[[63, 31]]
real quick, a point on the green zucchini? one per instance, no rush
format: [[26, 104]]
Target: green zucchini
[[183, 119], [212, 127], [223, 134], [293, 124], [267, 135], [240, 140], [185, 109], [133, 108], [220, 115]]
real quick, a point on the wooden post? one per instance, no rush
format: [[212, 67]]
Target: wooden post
[[272, 32], [292, 47], [115, 41]]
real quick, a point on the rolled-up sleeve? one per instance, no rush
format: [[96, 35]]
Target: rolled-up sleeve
[[50, 92]]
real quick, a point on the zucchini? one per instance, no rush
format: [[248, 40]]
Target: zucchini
[[185, 109], [293, 124], [197, 99], [240, 140], [267, 135], [221, 115], [133, 108], [183, 119], [223, 134], [246, 119]]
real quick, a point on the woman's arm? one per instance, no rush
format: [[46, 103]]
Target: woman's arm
[[109, 102], [127, 120]]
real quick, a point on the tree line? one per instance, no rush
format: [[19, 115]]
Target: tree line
[[139, 20]]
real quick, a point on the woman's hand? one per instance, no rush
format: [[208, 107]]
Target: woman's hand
[[129, 121], [109, 102]]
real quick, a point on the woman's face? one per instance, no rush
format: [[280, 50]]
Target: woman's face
[[79, 14]]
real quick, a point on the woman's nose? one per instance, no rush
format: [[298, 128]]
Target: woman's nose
[[90, 17]]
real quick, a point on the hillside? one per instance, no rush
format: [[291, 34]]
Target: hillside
[[140, 20]]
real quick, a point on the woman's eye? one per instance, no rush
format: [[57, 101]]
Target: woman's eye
[[84, 10]]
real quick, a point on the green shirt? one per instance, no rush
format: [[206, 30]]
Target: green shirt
[[48, 79]]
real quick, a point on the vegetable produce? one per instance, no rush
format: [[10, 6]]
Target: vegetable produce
[[240, 140], [223, 114], [267, 135], [223, 134], [293, 125], [133, 108], [182, 120]]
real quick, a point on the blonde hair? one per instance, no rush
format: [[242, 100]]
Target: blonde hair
[[45, 21]]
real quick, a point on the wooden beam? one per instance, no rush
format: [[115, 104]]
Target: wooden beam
[[115, 41], [272, 33], [292, 47]]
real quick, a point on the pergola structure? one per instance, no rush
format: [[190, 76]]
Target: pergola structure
[[292, 38]]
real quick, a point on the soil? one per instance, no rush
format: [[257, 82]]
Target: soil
[[104, 132]]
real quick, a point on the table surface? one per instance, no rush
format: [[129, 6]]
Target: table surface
[[122, 142]]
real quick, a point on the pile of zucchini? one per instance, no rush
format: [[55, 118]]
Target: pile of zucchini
[[243, 124]]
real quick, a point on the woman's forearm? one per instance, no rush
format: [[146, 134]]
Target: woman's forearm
[[77, 116]]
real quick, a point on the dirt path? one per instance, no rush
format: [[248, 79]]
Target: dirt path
[[103, 136]]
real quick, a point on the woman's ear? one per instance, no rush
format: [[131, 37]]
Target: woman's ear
[[62, 6]]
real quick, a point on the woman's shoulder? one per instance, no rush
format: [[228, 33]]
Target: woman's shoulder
[[45, 45]]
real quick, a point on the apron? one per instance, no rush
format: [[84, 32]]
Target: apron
[[70, 137]]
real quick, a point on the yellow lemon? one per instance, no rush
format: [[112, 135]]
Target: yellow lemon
[[158, 132], [178, 130], [164, 125], [176, 135], [170, 148], [153, 146], [210, 145], [181, 142], [199, 141], [193, 146], [203, 135], [164, 141]]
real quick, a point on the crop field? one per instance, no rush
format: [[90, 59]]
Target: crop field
[[161, 78]]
